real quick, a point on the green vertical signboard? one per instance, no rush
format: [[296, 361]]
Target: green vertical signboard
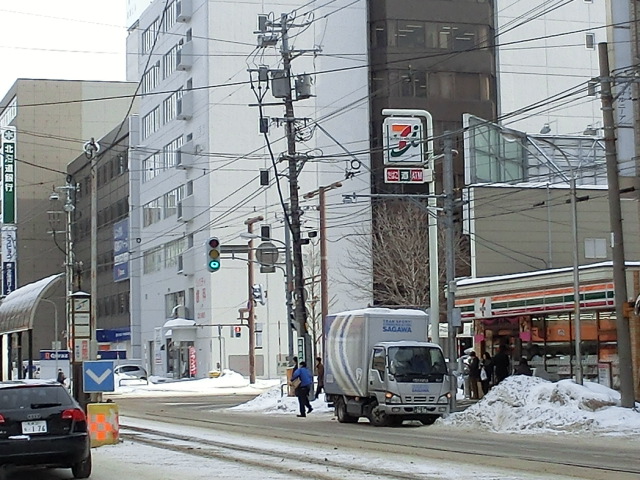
[[8, 175]]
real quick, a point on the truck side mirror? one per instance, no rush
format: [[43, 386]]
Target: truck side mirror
[[392, 368]]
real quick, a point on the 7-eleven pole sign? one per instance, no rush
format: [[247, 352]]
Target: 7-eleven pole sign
[[407, 140], [408, 146]]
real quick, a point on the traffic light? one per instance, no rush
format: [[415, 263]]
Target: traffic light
[[237, 331], [258, 293], [213, 254]]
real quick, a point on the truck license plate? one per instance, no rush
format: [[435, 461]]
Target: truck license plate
[[38, 426], [421, 409]]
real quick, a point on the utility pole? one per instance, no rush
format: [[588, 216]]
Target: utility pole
[[282, 87], [447, 184], [288, 265], [324, 280], [615, 216], [576, 280], [294, 213], [251, 319]]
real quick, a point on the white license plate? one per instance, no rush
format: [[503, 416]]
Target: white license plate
[[38, 426]]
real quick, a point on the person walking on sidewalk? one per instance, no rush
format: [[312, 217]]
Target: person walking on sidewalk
[[320, 374], [303, 388]]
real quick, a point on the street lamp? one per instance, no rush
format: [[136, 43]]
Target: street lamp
[[514, 136]]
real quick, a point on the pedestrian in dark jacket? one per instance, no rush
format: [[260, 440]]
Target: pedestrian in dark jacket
[[502, 364], [523, 367], [61, 378], [485, 379], [302, 390], [474, 375], [320, 374]]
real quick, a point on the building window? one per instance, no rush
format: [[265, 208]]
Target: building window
[[149, 36], [152, 260], [411, 34], [151, 167], [170, 203], [152, 212], [170, 106], [170, 16], [172, 251], [590, 41], [414, 84], [169, 61], [595, 248], [467, 86], [170, 152], [122, 163], [379, 34], [150, 78], [151, 122]]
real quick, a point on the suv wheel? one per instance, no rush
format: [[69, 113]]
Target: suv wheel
[[82, 469]]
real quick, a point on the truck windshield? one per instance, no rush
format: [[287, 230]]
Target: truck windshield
[[420, 363]]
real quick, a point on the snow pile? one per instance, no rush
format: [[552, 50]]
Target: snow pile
[[228, 382], [273, 401], [522, 404]]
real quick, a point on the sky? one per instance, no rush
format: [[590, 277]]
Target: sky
[[62, 39], [520, 404]]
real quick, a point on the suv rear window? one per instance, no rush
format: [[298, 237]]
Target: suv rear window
[[34, 396]]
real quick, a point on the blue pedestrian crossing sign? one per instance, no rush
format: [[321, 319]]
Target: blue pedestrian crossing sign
[[97, 376]]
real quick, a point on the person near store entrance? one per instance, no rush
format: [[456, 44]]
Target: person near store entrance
[[487, 378], [523, 368], [502, 364], [474, 375]]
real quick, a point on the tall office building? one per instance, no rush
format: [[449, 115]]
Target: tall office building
[[200, 167], [43, 124]]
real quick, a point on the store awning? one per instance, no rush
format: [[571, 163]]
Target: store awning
[[18, 309]]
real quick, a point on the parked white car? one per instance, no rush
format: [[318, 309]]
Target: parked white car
[[129, 373]]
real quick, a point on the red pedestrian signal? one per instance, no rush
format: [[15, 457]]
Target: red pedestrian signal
[[237, 332]]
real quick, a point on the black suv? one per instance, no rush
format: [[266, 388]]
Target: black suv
[[42, 425]]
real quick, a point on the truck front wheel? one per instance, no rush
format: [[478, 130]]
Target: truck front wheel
[[341, 412], [379, 418]]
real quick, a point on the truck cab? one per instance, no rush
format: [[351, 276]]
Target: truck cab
[[407, 381]]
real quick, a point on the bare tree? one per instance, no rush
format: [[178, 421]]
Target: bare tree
[[398, 271], [313, 302]]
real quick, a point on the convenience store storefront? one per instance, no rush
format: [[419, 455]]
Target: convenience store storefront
[[533, 314]]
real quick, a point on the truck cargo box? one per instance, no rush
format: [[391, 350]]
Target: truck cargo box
[[350, 336]]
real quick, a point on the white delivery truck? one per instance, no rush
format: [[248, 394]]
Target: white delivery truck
[[379, 365]]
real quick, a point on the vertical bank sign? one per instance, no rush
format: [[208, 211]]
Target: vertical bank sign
[[9, 258], [8, 175], [8, 231], [121, 250]]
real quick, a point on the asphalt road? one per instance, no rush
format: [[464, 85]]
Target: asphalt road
[[588, 458]]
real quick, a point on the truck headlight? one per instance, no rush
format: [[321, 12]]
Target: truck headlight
[[392, 398], [445, 398]]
